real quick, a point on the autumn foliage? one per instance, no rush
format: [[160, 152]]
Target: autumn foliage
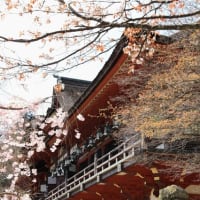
[[170, 101], [163, 95]]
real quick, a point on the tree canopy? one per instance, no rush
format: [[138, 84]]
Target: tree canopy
[[86, 29], [163, 98], [170, 104]]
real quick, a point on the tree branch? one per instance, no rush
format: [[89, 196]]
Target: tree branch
[[166, 16], [104, 24], [12, 108], [163, 27], [22, 108], [64, 58], [81, 16]]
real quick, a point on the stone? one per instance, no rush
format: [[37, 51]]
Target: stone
[[173, 192]]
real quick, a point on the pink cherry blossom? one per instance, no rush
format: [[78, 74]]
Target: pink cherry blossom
[[78, 134], [65, 132], [80, 117], [34, 180], [34, 171], [57, 142], [53, 148], [10, 176], [30, 153]]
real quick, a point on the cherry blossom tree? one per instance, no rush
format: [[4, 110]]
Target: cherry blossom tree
[[85, 31], [23, 138]]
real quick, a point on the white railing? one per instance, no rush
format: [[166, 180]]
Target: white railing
[[98, 168]]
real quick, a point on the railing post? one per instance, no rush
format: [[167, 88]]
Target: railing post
[[81, 187], [109, 157], [143, 143], [124, 153], [119, 167], [98, 178], [133, 151], [68, 195], [84, 172], [95, 163]]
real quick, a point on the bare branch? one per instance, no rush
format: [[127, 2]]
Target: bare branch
[[104, 24], [167, 16], [81, 16], [64, 58], [22, 108]]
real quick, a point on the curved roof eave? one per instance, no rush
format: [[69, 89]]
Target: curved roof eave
[[106, 68]]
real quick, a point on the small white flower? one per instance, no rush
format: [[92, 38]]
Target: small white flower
[[57, 142], [34, 171], [19, 138], [80, 117], [77, 131], [20, 156], [78, 134], [17, 171], [40, 133], [53, 148], [14, 164], [60, 124], [52, 132], [4, 147], [139, 61], [34, 180], [26, 197], [10, 176], [42, 125], [49, 120], [27, 124], [65, 132], [41, 146], [30, 153], [10, 150], [58, 132], [22, 133]]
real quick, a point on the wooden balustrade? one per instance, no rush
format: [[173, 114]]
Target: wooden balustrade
[[93, 172]]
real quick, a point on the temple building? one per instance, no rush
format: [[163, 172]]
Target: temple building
[[100, 157]]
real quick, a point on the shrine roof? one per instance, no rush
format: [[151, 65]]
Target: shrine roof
[[106, 68], [73, 81]]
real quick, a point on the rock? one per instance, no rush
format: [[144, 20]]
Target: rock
[[173, 192]]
